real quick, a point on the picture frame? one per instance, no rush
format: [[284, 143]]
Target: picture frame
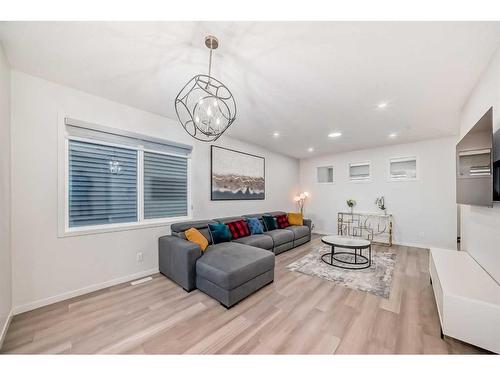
[[236, 175]]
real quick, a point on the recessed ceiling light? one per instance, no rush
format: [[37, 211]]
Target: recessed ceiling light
[[393, 135], [310, 149], [335, 134], [276, 134], [382, 105]]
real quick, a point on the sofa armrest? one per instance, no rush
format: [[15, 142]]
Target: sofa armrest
[[177, 260], [308, 223]]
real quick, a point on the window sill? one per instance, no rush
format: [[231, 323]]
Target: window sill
[[402, 179], [109, 228], [360, 180]]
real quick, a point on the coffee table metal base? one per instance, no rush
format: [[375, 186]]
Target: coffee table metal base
[[360, 262]]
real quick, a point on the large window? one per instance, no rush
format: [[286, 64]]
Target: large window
[[102, 184], [122, 180]]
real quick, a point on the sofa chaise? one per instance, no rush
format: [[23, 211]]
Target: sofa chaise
[[227, 271]]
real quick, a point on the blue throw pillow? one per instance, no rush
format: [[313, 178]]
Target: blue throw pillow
[[270, 222], [255, 225], [219, 233]]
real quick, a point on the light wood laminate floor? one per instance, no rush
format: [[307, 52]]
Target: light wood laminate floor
[[295, 314]]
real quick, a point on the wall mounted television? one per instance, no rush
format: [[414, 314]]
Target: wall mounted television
[[475, 171]]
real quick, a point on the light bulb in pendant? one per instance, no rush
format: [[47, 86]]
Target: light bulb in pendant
[[209, 111], [197, 119]]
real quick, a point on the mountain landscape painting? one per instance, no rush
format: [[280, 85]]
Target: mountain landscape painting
[[237, 175]]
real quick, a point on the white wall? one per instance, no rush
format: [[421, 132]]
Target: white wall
[[5, 257], [424, 210], [47, 268], [480, 226]]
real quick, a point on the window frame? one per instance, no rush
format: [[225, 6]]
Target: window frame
[[358, 164], [64, 230], [403, 159], [333, 174]]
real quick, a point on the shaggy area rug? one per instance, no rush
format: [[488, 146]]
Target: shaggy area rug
[[375, 279]]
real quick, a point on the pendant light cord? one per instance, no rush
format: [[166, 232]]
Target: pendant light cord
[[210, 63]]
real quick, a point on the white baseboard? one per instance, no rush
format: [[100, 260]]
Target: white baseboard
[[412, 244], [75, 293], [5, 327]]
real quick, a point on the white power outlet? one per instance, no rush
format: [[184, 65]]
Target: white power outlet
[[139, 257]]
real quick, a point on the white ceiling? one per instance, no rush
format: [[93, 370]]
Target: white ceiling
[[301, 79]]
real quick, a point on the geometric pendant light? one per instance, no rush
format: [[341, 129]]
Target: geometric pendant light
[[205, 107]]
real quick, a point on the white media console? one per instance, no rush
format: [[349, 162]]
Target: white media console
[[467, 298]]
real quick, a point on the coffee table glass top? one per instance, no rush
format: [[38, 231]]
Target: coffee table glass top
[[344, 241]]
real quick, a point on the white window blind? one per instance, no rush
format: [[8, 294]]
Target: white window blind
[[359, 171], [102, 184], [403, 169], [165, 186]]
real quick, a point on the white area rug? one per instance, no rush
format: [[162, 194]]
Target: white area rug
[[375, 280]]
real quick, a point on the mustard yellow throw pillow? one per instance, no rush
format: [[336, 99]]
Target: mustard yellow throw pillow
[[295, 218], [195, 236]]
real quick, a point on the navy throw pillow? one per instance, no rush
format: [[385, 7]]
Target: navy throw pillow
[[219, 233], [270, 222], [255, 225]]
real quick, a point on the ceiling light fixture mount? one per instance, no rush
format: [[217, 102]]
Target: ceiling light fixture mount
[[205, 107]]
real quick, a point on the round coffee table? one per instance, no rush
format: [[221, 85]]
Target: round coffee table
[[349, 260]]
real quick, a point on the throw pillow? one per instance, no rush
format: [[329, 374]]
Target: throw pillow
[[219, 232], [194, 235], [295, 218], [238, 229], [255, 225], [282, 221], [270, 222]]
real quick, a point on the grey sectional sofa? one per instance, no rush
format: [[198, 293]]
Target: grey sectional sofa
[[228, 271]]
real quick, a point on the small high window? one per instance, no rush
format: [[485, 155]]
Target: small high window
[[359, 171], [325, 175], [403, 169]]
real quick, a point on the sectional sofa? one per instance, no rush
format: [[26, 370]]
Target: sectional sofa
[[228, 271]]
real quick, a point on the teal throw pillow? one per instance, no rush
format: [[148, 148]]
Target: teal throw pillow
[[220, 233]]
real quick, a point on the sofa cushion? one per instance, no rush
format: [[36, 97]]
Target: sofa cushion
[[195, 236], [239, 229], [295, 218], [258, 216], [299, 231], [282, 221], [232, 264], [270, 222], [280, 236], [219, 233], [262, 241], [255, 225]]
